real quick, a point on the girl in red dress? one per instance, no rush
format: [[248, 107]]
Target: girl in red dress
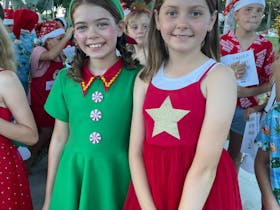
[[14, 185], [46, 60], [183, 106]]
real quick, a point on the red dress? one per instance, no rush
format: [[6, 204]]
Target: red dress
[[169, 150], [14, 185], [39, 90]]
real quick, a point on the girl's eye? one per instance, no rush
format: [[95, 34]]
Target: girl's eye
[[248, 9], [81, 28], [196, 13], [172, 13], [102, 25], [133, 27]]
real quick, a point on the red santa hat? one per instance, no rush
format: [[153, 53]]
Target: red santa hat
[[24, 19], [46, 30], [8, 17], [238, 4]]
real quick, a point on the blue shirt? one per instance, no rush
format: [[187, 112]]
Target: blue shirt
[[268, 139]]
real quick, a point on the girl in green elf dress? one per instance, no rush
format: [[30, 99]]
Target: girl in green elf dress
[[91, 103]]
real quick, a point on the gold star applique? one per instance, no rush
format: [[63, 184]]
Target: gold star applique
[[166, 118]]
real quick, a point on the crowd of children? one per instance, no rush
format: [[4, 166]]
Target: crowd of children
[[133, 121]]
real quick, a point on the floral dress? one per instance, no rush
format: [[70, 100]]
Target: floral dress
[[268, 139]]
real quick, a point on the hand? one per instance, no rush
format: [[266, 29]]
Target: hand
[[247, 113], [46, 205], [239, 69]]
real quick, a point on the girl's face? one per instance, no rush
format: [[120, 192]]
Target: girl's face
[[249, 17], [52, 42], [96, 32], [137, 28], [184, 24]]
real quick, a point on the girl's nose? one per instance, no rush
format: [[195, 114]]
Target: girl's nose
[[182, 22]]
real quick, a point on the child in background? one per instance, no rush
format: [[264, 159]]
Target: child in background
[[92, 105], [248, 15], [137, 23], [180, 119], [46, 61], [14, 187], [24, 23], [8, 21], [61, 22], [268, 140]]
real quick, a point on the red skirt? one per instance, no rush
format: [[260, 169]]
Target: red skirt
[[166, 169]]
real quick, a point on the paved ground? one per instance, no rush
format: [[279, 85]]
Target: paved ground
[[248, 187]]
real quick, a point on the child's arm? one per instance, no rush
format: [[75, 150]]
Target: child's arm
[[262, 175], [136, 162], [254, 91], [216, 124], [12, 95], [276, 75], [52, 53], [254, 109], [58, 140]]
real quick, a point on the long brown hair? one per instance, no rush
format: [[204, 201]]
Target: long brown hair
[[157, 51], [75, 72]]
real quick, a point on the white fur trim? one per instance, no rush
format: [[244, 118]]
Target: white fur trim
[[53, 34], [242, 3], [7, 22]]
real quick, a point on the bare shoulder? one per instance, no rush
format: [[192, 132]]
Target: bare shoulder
[[222, 73], [6, 77], [139, 81]]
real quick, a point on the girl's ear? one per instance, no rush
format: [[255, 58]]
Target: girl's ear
[[120, 28]]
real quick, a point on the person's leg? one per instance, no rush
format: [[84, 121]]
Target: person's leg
[[235, 137], [44, 140], [234, 147]]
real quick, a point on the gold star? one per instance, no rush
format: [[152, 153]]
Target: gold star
[[166, 118]]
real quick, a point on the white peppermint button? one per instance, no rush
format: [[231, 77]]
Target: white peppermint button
[[95, 115], [97, 97], [95, 138]]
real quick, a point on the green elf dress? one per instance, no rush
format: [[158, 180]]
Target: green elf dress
[[93, 172]]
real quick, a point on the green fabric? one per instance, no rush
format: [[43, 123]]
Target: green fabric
[[116, 3], [92, 176]]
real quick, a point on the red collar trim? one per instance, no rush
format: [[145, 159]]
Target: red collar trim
[[108, 78]]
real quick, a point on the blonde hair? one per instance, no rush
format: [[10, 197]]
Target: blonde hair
[[7, 52]]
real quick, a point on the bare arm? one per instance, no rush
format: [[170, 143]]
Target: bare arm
[[137, 136], [12, 95], [58, 140], [254, 91], [220, 98], [55, 51], [262, 175]]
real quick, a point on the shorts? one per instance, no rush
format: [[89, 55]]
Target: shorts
[[238, 122]]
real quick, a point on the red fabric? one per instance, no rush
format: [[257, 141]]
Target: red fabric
[[44, 28], [167, 159], [263, 52], [108, 78], [229, 7], [8, 13], [39, 91], [24, 19], [14, 187]]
